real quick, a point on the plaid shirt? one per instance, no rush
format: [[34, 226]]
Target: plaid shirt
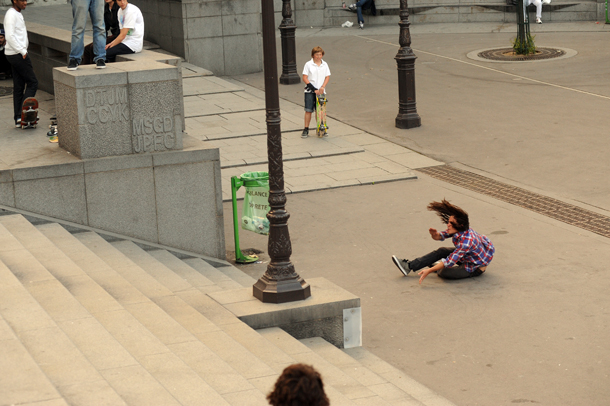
[[472, 250]]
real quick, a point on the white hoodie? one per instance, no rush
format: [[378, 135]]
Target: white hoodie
[[16, 34]]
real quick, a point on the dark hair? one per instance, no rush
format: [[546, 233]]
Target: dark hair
[[444, 209], [299, 385]]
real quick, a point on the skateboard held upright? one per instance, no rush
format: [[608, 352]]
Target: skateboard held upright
[[321, 116], [29, 113]]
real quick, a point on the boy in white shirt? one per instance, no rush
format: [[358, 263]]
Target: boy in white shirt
[[131, 37], [25, 83], [316, 75]]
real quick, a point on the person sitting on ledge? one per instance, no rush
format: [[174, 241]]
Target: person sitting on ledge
[[359, 6], [131, 37], [299, 385]]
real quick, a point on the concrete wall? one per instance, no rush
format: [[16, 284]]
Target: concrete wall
[[169, 198], [223, 36]]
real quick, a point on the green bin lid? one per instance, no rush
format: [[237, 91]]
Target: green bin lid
[[254, 176]]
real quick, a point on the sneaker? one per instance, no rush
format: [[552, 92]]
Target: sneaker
[[100, 64], [538, 20], [361, 25], [402, 264], [325, 134], [72, 65], [18, 123], [305, 133], [352, 7]]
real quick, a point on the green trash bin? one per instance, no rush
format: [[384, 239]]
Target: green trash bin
[[256, 206]]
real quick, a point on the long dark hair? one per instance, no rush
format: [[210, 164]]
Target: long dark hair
[[444, 209]]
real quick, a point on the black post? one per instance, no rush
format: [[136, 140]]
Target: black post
[[405, 59], [280, 283], [289, 59]]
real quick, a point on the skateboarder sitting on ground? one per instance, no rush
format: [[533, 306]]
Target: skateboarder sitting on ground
[[470, 257], [25, 83], [131, 37], [316, 75]]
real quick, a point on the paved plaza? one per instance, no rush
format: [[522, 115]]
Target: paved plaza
[[534, 328]]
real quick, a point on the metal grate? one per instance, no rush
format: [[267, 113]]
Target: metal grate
[[507, 54], [544, 205]]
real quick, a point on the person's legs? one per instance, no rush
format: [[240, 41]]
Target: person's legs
[[96, 11], [310, 106], [120, 49], [361, 4], [23, 79], [455, 272], [429, 259], [79, 19]]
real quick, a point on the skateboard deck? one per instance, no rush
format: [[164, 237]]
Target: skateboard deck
[[29, 113], [321, 126]]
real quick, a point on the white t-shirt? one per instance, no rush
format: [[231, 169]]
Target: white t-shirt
[[131, 17], [16, 33], [316, 74]]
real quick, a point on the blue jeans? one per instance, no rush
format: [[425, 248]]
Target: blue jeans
[[95, 8], [360, 4]]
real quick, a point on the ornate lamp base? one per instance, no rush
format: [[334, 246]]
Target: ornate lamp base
[[290, 290]]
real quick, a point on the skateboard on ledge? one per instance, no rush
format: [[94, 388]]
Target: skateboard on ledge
[[29, 113]]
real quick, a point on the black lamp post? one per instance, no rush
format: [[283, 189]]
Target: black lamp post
[[289, 59], [280, 283], [405, 59]]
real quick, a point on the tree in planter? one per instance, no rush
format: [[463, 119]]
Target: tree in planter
[[524, 43]]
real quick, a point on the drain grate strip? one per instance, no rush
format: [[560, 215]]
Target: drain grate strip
[[547, 206]]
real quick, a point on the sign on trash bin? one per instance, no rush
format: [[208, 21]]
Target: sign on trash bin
[[256, 206]]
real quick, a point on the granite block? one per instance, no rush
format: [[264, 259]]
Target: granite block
[[185, 221], [204, 27], [7, 194], [207, 52], [123, 201], [201, 9], [242, 54], [156, 117], [146, 71], [118, 163], [50, 171], [87, 76], [240, 7], [242, 24], [185, 157], [60, 197]]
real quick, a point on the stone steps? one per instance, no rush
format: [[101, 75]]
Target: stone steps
[[86, 321]]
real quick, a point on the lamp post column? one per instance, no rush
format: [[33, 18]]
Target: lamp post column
[[280, 283], [405, 60], [289, 59]]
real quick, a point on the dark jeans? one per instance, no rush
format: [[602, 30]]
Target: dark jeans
[[361, 4], [23, 79], [455, 272], [5, 67], [89, 56], [120, 49]]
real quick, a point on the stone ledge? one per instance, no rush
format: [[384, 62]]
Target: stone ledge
[[319, 315]]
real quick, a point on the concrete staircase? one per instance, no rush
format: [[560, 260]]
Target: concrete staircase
[[85, 321]]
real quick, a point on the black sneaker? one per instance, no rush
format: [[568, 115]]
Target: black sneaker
[[72, 65], [100, 64], [402, 264], [305, 133]]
